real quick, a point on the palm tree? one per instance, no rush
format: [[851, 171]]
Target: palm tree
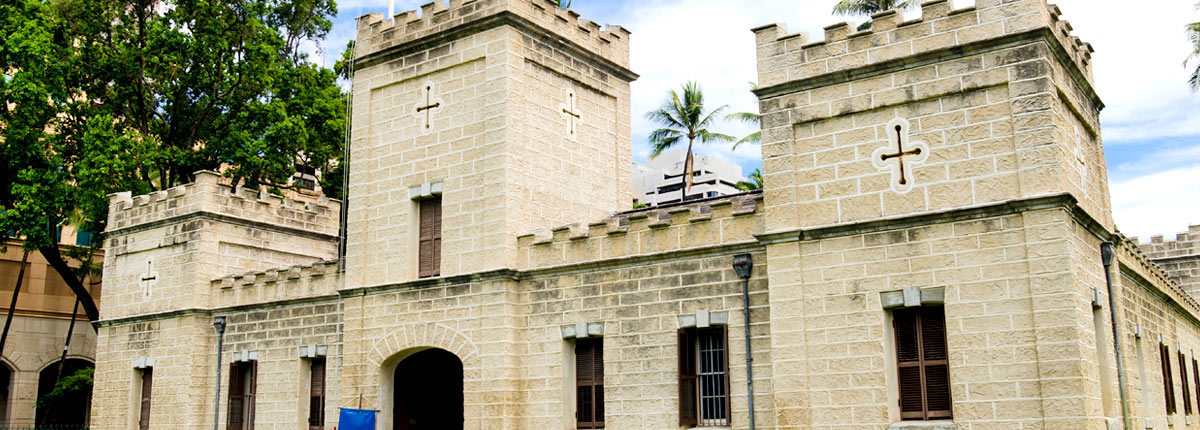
[[1193, 33], [757, 184], [869, 7], [681, 118], [750, 118]]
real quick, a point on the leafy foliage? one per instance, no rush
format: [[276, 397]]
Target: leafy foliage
[[136, 95], [69, 386], [755, 182], [1193, 35], [869, 7]]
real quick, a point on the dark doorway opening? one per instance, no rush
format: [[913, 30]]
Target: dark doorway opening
[[68, 407], [6, 376], [429, 392]]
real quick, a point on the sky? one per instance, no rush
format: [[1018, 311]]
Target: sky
[[1150, 125]]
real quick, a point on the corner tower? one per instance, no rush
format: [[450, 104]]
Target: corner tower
[[946, 172], [514, 113]]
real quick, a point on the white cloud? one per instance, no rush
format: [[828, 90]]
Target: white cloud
[[1137, 64]]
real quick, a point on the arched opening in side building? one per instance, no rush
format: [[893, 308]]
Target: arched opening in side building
[[68, 406], [428, 391], [6, 378]]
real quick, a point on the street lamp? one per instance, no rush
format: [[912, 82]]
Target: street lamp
[[742, 265], [219, 324]]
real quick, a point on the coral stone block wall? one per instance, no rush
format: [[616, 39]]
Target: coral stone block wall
[[1180, 258], [530, 129]]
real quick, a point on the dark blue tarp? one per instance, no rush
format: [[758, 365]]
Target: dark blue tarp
[[356, 419]]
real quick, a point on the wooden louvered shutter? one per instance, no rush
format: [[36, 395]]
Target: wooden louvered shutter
[[147, 383], [251, 398], [1168, 385], [924, 375], [429, 247], [1183, 382], [1196, 379], [688, 414], [316, 395], [589, 383], [237, 390]]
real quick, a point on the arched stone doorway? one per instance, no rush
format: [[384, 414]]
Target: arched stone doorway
[[428, 391], [6, 378], [68, 409]]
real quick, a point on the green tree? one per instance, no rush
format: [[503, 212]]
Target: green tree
[[68, 387], [755, 182], [750, 118], [869, 7], [1193, 34], [111, 95], [682, 118]]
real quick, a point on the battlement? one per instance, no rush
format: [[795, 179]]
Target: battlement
[[784, 57], [319, 278], [1185, 244], [377, 33], [1131, 254], [208, 195], [711, 222]]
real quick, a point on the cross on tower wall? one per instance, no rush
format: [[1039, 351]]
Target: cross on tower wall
[[507, 158]]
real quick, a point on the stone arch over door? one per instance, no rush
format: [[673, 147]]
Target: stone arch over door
[[390, 350]]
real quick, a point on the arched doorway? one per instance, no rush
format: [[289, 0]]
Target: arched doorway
[[428, 392], [69, 407], [6, 377]]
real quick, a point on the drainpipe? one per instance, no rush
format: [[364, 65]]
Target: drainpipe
[[219, 324], [742, 265], [1106, 256]]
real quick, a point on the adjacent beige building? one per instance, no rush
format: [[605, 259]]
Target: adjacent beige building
[[926, 251]]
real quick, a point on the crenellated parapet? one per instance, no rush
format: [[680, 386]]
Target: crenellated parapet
[[1179, 258], [1132, 255], [720, 221], [1185, 244], [784, 57], [317, 279], [378, 33], [208, 195]]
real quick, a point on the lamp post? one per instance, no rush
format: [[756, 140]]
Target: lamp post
[[219, 324], [742, 265]]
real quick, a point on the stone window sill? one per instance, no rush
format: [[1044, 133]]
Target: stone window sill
[[924, 425]]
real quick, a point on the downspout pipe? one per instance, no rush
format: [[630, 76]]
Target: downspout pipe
[[742, 264], [1107, 256], [219, 324]]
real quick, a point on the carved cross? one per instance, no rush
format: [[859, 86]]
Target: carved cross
[[570, 114], [900, 155], [432, 105], [148, 278]]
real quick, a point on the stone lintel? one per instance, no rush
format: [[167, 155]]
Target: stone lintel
[[912, 297]]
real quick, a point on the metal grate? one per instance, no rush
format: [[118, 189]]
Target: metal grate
[[714, 399]]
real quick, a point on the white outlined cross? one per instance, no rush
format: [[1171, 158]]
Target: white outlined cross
[[571, 115], [425, 112], [896, 158]]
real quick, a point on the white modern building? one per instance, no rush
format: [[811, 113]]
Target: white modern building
[[660, 180]]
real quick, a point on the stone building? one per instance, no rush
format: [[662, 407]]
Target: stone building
[[927, 251], [41, 321], [660, 180]]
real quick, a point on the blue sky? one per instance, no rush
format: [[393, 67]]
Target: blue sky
[[1151, 125]]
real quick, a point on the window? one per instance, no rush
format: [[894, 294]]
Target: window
[[147, 377], [242, 381], [1183, 380], [316, 395], [589, 383], [1164, 357], [429, 248], [703, 377], [924, 375], [83, 238]]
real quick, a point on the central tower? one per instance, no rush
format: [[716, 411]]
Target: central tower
[[505, 115]]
